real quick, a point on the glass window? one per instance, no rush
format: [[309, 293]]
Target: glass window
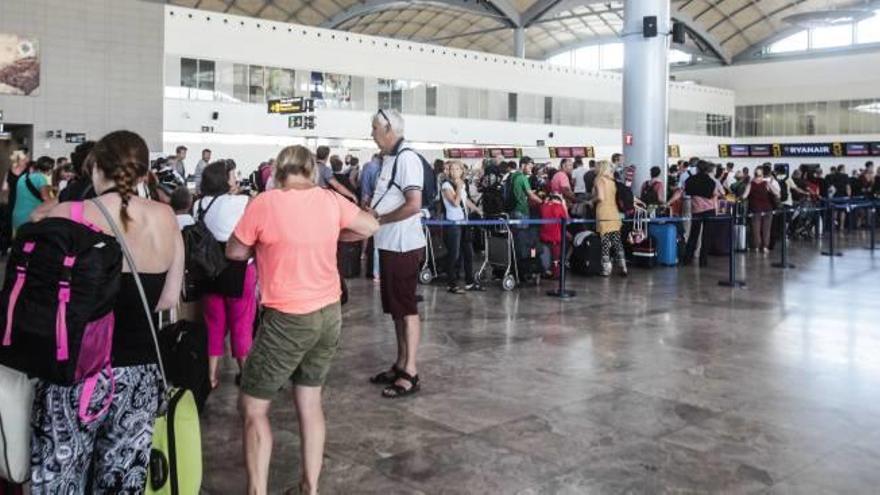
[[679, 57], [511, 107], [390, 94], [206, 75], [189, 69], [868, 31], [337, 90], [587, 58], [257, 91], [563, 59], [431, 99], [822, 117], [794, 43], [831, 36], [548, 109], [611, 56], [279, 83]]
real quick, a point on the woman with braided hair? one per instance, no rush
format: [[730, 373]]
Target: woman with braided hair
[[111, 454]]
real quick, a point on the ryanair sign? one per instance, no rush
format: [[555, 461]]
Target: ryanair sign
[[799, 149]]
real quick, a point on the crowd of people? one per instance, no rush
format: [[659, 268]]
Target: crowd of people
[[281, 229]]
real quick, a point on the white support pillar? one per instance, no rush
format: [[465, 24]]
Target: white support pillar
[[519, 42], [645, 88]]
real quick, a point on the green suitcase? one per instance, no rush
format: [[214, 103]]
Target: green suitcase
[[176, 455]]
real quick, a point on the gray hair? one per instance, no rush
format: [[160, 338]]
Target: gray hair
[[392, 118]]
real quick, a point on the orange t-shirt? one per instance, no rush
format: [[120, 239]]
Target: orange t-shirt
[[294, 235]]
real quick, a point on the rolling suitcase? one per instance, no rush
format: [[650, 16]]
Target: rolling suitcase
[[586, 257], [644, 254], [176, 456], [716, 235], [666, 237]]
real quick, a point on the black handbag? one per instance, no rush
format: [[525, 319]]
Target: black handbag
[[205, 258]]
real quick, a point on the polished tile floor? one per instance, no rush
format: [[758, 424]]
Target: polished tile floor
[[659, 383]]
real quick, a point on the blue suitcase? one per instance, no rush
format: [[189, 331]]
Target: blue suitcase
[[666, 240]]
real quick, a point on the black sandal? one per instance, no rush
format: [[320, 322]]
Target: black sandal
[[386, 377], [395, 391]]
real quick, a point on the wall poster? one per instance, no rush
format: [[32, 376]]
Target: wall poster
[[19, 65]]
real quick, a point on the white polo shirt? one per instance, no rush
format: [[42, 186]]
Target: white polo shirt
[[404, 235]]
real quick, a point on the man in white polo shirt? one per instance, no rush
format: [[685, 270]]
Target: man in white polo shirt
[[397, 203]]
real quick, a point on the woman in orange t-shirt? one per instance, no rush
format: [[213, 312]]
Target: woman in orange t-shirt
[[292, 232]]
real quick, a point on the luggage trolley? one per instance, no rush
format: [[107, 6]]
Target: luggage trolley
[[429, 267], [500, 255]]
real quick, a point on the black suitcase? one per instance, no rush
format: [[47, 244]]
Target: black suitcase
[[349, 258], [586, 257], [184, 348], [716, 235]]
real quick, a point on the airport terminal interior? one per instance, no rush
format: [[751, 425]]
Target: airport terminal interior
[[439, 246]]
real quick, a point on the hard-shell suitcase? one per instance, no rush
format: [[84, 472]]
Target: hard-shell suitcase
[[666, 236], [176, 456], [586, 257], [716, 235]]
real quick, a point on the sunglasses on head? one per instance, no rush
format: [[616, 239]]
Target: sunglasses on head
[[385, 116]]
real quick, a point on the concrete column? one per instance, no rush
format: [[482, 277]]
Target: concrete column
[[645, 88], [519, 42]]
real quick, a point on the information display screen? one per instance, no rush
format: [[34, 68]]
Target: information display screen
[[572, 152]]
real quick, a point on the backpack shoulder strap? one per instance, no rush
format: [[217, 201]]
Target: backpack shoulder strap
[[200, 215], [77, 214], [31, 187]]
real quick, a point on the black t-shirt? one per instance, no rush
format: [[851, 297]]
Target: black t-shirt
[[700, 185], [77, 190], [840, 181], [589, 180]]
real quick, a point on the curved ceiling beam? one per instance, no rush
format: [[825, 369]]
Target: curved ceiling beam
[[542, 9], [699, 32], [501, 10]]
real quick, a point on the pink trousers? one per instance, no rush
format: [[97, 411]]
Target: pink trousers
[[235, 314]]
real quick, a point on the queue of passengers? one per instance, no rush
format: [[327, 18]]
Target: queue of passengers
[[299, 295]]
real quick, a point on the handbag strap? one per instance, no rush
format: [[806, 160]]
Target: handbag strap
[[137, 280]]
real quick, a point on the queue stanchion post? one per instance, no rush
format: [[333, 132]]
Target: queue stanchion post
[[872, 211], [732, 282], [829, 228], [561, 292], [783, 257]]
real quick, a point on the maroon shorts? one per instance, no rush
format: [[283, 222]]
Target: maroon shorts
[[398, 278]]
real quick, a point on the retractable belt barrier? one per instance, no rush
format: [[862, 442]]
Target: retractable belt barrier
[[829, 205]]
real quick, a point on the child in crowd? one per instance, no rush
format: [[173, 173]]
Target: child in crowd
[[553, 208], [181, 203]]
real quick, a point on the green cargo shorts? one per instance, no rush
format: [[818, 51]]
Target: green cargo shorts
[[291, 347]]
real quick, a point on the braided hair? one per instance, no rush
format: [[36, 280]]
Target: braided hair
[[122, 156]]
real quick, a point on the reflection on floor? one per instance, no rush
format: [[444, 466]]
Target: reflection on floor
[[662, 382]]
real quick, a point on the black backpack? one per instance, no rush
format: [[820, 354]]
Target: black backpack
[[492, 192], [429, 182], [625, 198], [56, 307], [205, 258], [649, 195]]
